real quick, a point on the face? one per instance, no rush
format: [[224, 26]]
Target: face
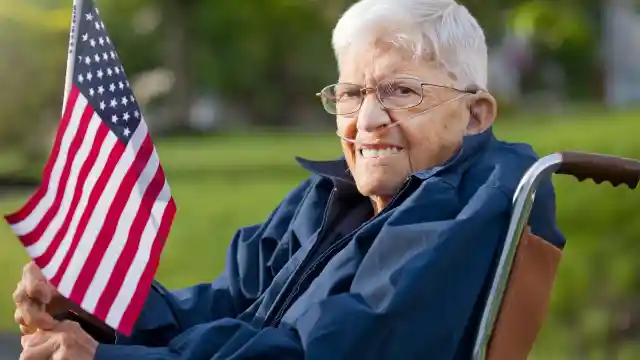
[[392, 144]]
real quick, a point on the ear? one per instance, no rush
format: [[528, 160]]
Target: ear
[[484, 110]]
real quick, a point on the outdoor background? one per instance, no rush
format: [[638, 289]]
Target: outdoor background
[[228, 88]]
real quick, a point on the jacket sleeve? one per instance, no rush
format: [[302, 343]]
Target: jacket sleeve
[[246, 275], [412, 297]]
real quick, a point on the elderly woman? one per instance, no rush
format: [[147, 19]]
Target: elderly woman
[[382, 254]]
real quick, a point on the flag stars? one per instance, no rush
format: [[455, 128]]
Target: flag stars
[[124, 101], [114, 118], [114, 103], [109, 72], [99, 74], [80, 78], [125, 116], [112, 87], [136, 114], [103, 105], [121, 85], [126, 132], [92, 92], [116, 70], [89, 16], [101, 90], [96, 57], [101, 41], [87, 60], [105, 56], [97, 25], [92, 42], [89, 76], [113, 55], [85, 37]]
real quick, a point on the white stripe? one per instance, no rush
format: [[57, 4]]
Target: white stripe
[[27, 225], [39, 247], [121, 236], [99, 215], [51, 269], [141, 259]]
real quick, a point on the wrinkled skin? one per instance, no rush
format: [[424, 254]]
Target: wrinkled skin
[[36, 300], [65, 341], [426, 140], [44, 338]]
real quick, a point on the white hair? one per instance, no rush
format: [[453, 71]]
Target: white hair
[[442, 30]]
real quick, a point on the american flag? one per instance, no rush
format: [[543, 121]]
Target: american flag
[[98, 223]]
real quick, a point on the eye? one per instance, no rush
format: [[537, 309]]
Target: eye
[[403, 91], [348, 94], [396, 89]]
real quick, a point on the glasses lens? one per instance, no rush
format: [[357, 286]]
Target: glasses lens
[[341, 99], [400, 93]]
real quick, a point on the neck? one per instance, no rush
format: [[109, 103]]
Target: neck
[[379, 203]]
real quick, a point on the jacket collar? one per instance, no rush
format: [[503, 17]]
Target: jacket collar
[[338, 170]]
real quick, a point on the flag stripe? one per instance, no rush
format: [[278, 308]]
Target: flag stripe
[[131, 247], [33, 202], [135, 207], [55, 254], [43, 249], [40, 215], [110, 206], [43, 234], [130, 301], [110, 154]]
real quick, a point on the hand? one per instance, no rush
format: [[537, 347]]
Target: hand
[[36, 300], [65, 341]]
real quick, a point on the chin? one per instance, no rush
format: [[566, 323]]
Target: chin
[[379, 186]]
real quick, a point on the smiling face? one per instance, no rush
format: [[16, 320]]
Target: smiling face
[[391, 144]]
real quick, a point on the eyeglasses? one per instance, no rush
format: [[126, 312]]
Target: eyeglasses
[[396, 94]]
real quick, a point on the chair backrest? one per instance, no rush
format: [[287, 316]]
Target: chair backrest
[[526, 299]]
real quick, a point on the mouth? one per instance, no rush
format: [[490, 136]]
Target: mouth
[[378, 151]]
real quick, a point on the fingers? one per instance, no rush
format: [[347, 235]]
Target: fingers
[[35, 339], [42, 351], [36, 285], [33, 315], [31, 296], [25, 330]]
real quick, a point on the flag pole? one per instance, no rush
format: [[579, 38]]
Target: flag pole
[[76, 14]]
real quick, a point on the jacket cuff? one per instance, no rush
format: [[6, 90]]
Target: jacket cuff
[[110, 352]]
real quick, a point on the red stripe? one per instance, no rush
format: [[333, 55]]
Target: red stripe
[[31, 204], [116, 279], [35, 235], [142, 290], [101, 134], [114, 213], [112, 160]]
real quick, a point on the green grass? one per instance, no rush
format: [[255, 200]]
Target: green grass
[[221, 183]]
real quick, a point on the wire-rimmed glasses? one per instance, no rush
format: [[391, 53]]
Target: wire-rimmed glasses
[[396, 94]]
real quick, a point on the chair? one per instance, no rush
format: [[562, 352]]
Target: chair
[[522, 283]]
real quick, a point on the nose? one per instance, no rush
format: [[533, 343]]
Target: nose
[[372, 116]]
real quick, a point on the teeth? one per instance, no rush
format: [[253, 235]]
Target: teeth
[[374, 153]]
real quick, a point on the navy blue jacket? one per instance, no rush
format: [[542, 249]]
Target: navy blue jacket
[[322, 278]]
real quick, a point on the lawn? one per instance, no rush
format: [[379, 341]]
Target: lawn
[[224, 182]]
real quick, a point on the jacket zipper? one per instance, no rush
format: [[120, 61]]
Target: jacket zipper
[[329, 252], [280, 301]]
